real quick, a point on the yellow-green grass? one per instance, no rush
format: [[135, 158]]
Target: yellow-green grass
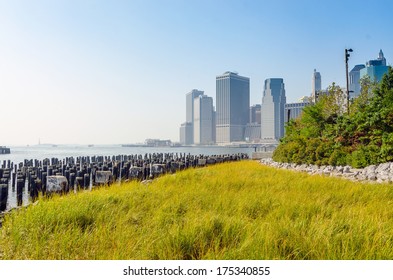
[[238, 210]]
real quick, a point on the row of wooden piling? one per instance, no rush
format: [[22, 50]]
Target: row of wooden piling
[[75, 173]]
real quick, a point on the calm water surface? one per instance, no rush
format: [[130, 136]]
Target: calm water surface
[[40, 152]]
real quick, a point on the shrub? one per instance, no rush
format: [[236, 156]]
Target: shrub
[[338, 157], [325, 134]]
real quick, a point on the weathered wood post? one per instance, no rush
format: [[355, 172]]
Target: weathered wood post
[[67, 175], [43, 181], [3, 197], [72, 181], [38, 184], [78, 183], [20, 183], [33, 189], [14, 179], [86, 181]]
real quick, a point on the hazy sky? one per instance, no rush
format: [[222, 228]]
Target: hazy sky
[[112, 72]]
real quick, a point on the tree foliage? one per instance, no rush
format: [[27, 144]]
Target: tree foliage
[[326, 134]]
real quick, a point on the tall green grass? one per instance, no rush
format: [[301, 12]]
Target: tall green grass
[[238, 210]]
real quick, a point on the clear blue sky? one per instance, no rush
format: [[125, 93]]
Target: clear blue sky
[[112, 72]]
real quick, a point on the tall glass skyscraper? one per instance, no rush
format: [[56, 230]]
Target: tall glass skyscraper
[[375, 68], [316, 85], [232, 107], [273, 109]]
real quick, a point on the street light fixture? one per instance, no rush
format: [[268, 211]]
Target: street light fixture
[[347, 55]]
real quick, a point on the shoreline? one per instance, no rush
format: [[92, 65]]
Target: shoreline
[[382, 173]]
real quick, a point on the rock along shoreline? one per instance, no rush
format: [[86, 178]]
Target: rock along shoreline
[[382, 173]]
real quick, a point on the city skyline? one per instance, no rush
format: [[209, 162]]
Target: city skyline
[[97, 72]]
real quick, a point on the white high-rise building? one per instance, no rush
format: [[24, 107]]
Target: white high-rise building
[[316, 85], [273, 109], [190, 104], [187, 128], [203, 120]]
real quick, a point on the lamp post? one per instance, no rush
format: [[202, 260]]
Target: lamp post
[[347, 55]]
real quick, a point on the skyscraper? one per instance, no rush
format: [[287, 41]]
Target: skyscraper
[[232, 107], [272, 110], [255, 114], [316, 85], [190, 104], [354, 80], [187, 128], [203, 120], [375, 68]]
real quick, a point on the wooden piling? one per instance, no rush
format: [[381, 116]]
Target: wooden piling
[[3, 197], [86, 181], [33, 189], [20, 183]]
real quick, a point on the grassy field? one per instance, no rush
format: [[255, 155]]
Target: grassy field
[[237, 210]]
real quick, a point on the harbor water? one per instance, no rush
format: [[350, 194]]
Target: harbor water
[[40, 152]]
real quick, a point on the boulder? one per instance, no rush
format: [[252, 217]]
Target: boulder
[[347, 169], [157, 169], [56, 184], [103, 177], [371, 176], [135, 173]]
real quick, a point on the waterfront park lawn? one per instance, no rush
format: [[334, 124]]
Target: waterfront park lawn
[[239, 210]]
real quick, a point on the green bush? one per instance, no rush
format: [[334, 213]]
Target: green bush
[[359, 158], [338, 157], [326, 134]]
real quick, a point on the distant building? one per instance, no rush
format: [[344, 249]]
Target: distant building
[[316, 85], [214, 126], [375, 69], [273, 109], [232, 107], [203, 120], [158, 143], [293, 110], [380, 61], [186, 133], [252, 132], [354, 80], [255, 114], [187, 128]]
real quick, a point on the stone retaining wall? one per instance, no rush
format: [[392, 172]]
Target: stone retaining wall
[[382, 173]]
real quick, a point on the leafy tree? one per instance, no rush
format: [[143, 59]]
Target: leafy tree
[[326, 134]]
